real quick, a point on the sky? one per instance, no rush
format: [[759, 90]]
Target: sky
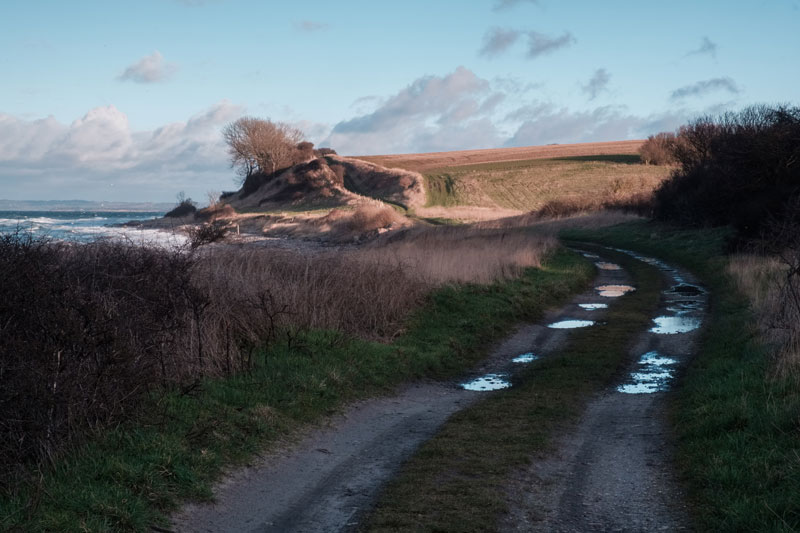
[[124, 101]]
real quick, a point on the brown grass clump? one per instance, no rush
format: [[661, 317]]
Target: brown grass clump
[[462, 254], [327, 290], [374, 217], [766, 282]]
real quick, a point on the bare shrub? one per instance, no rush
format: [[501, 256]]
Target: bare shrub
[[258, 146], [206, 234], [305, 152], [86, 330], [737, 169], [771, 280], [184, 208], [659, 149]]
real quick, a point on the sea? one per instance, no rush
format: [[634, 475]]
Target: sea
[[88, 226]]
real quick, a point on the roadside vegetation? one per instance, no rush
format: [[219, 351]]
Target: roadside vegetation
[[244, 346]]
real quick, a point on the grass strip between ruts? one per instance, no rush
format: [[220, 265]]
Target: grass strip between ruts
[[455, 481], [129, 477], [737, 427]]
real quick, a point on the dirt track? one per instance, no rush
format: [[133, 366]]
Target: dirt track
[[613, 472]]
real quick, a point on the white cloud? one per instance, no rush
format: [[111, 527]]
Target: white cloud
[[433, 113], [545, 123], [83, 159], [149, 69], [701, 88]]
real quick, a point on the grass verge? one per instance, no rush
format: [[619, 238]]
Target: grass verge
[[738, 428], [128, 478], [456, 481]]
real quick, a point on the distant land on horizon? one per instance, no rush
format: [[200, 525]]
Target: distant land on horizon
[[82, 205]]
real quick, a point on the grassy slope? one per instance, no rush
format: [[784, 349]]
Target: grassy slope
[[128, 477], [738, 430], [528, 185], [456, 481]]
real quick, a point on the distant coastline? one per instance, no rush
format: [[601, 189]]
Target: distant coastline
[[83, 205]]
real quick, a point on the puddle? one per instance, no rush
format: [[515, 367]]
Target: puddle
[[525, 358], [686, 289], [570, 324], [607, 266], [653, 375], [487, 382], [593, 307], [668, 325], [590, 256], [613, 291]]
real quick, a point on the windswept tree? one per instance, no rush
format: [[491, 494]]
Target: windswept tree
[[258, 146]]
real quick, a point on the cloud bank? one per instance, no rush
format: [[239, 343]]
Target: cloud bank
[[100, 157]]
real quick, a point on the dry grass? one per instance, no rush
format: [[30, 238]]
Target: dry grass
[[764, 281], [266, 287], [391, 184], [553, 225], [466, 213], [424, 162], [533, 184], [462, 254]]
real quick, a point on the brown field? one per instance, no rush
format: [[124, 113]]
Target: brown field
[[434, 160]]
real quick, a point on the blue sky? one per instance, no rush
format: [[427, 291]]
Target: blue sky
[[125, 100]]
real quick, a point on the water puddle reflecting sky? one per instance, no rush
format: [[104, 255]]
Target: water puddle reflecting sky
[[487, 383], [652, 375], [525, 358], [593, 307], [607, 266], [613, 291], [570, 324], [670, 325]]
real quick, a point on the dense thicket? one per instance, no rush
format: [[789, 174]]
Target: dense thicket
[[740, 169], [87, 330]]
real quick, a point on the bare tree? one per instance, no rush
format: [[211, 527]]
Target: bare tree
[[260, 146]]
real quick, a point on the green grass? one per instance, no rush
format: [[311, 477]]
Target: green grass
[[440, 189], [738, 429], [529, 184], [128, 477], [456, 481]]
